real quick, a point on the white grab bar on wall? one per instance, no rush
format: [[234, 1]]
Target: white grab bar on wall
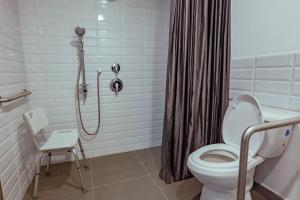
[[245, 147]]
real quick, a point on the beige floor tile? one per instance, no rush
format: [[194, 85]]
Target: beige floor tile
[[150, 158], [183, 190], [73, 196], [27, 197], [115, 159], [116, 168], [116, 177], [64, 179], [256, 196], [138, 189]]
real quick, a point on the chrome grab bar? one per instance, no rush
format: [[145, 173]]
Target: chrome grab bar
[[22, 94], [245, 147]]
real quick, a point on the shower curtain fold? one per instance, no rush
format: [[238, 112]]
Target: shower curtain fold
[[197, 83]]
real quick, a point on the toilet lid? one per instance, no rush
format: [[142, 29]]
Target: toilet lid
[[242, 113]]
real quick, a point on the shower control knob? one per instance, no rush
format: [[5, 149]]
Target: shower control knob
[[116, 85], [115, 68]]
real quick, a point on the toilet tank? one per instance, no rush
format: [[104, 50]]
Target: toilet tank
[[276, 140]]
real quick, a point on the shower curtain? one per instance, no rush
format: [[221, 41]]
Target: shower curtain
[[197, 83]]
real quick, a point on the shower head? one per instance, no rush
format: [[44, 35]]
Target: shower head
[[80, 31]]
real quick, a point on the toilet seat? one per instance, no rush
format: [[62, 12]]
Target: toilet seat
[[196, 156], [219, 169]]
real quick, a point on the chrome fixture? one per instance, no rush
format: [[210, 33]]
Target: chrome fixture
[[260, 128], [115, 68], [116, 84], [83, 91], [22, 94], [82, 88], [80, 31]]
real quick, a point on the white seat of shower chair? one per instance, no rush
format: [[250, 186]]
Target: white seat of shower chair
[[61, 139]]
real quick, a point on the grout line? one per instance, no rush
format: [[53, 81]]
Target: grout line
[[148, 172], [121, 181], [253, 75]]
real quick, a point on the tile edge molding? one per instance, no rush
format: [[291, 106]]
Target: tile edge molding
[[265, 192]]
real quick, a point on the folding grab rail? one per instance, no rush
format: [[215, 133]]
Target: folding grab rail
[[245, 147]]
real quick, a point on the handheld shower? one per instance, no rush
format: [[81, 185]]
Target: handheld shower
[[80, 31], [82, 88]]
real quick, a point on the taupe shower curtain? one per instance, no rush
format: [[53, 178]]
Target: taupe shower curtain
[[197, 81]]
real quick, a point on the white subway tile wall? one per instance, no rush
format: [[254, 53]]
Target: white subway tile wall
[[17, 150], [133, 33], [273, 79]]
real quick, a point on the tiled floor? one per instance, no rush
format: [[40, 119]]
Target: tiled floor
[[126, 176]]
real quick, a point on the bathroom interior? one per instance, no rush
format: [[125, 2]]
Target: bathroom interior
[[149, 99]]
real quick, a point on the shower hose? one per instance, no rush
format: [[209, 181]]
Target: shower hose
[[78, 102]]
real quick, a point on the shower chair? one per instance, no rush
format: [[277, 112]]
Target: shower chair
[[59, 140]]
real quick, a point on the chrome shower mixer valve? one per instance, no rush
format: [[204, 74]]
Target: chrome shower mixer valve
[[116, 84]]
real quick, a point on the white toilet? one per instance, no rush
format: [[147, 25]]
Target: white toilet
[[216, 166]]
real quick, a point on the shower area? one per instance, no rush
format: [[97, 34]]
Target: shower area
[[125, 47], [132, 34]]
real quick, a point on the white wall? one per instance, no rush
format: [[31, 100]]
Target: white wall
[[265, 63], [133, 33], [16, 147], [261, 27]]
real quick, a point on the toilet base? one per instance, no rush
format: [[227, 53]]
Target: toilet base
[[211, 194]]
